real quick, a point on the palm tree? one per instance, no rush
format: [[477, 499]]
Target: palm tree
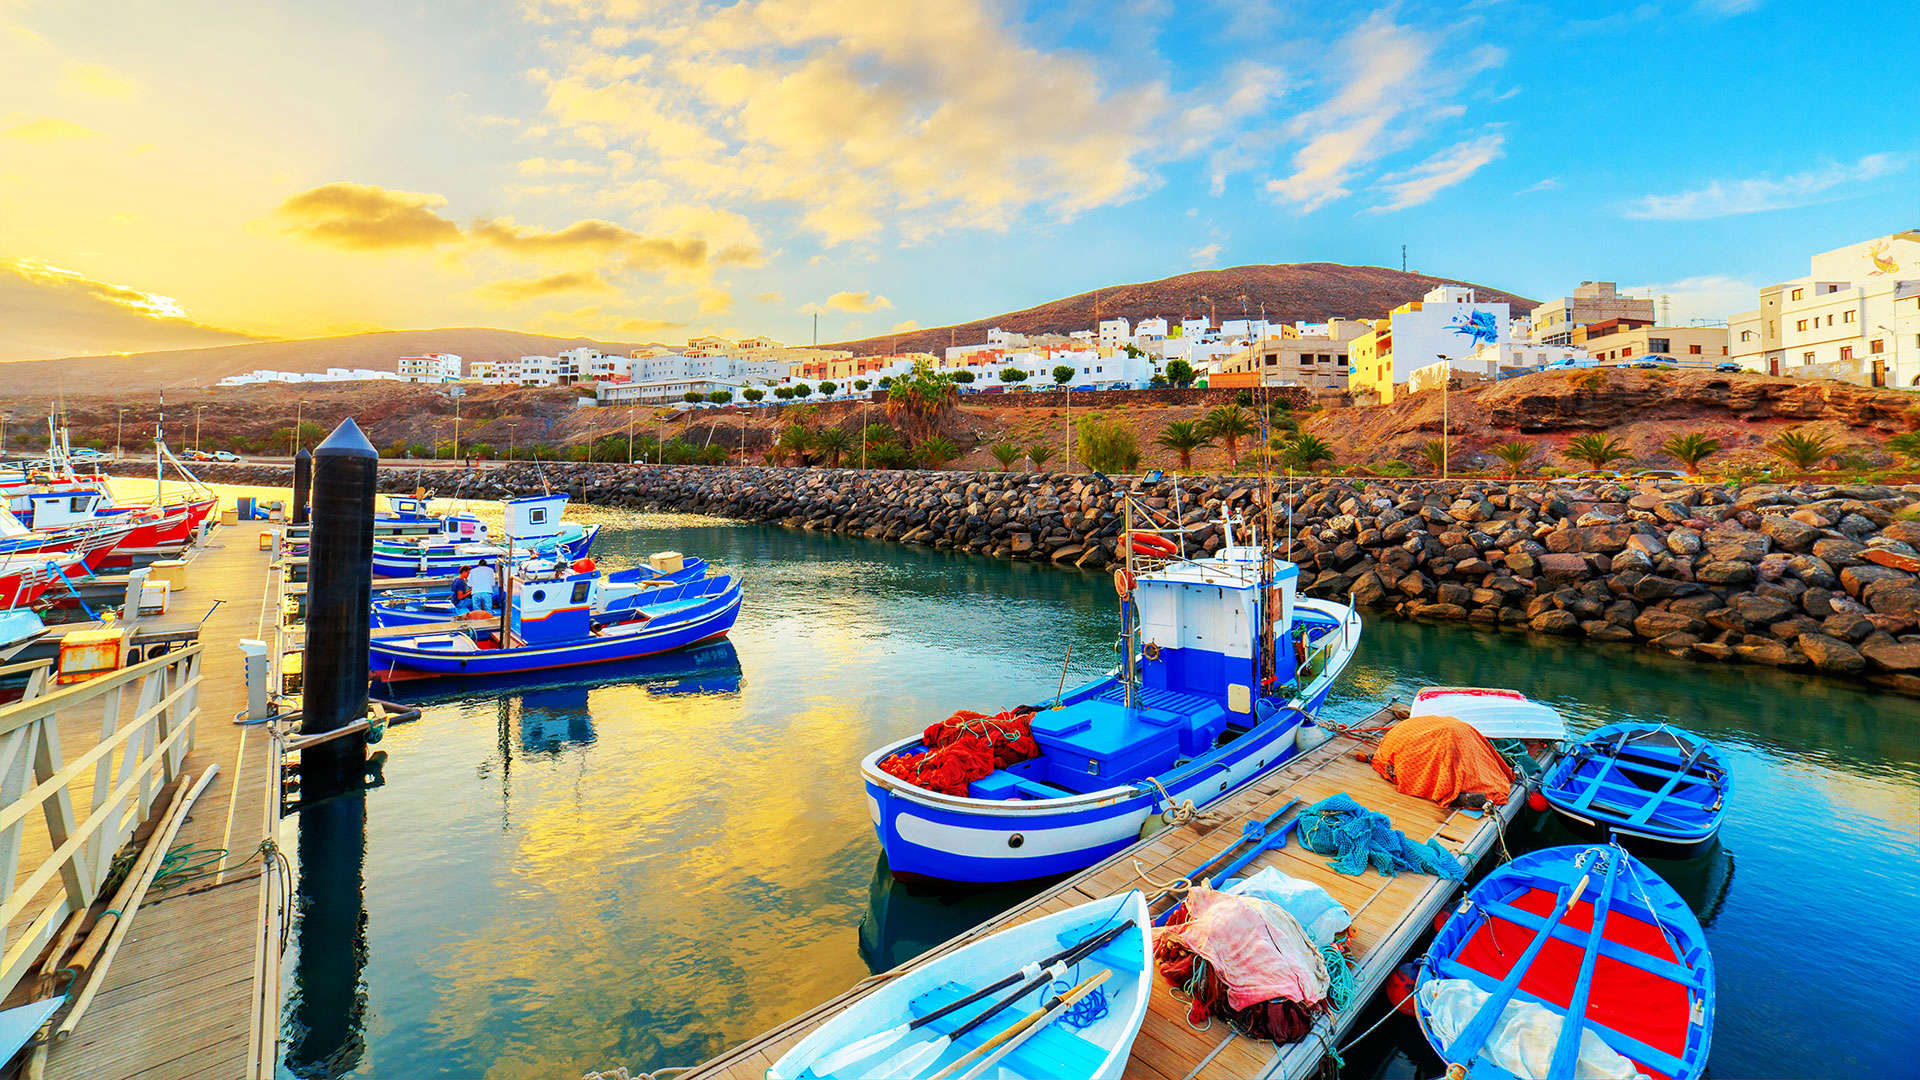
[[833, 442], [936, 451], [922, 398], [1305, 450], [1596, 449], [1039, 453], [1434, 452], [1691, 449], [795, 442], [1801, 450], [1006, 454], [1229, 424], [1185, 436], [1516, 454]]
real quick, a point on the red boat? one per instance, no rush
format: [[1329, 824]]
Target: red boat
[[25, 578]]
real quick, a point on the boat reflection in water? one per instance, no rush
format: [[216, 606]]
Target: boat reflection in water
[[905, 919], [713, 668], [1703, 880]]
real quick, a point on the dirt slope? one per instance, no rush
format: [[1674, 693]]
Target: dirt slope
[[1288, 291]]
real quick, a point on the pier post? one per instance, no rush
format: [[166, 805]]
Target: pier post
[[339, 588], [302, 485]]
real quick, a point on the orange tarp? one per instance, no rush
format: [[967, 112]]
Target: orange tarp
[[1440, 758]]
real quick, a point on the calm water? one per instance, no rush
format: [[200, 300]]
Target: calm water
[[640, 872]]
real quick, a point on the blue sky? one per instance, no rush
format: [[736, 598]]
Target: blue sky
[[635, 169]]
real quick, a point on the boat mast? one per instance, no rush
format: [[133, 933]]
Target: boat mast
[[1126, 604], [159, 437]]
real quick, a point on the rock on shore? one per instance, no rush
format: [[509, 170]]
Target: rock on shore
[[1811, 576]]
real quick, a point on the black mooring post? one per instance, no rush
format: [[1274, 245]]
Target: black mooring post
[[327, 1004], [302, 484], [339, 587]]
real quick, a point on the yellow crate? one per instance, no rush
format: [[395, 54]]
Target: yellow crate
[[171, 571], [85, 654], [266, 539], [666, 562]]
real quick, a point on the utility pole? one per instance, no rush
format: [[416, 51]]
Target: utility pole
[[298, 409], [1403, 258], [629, 434], [1446, 382], [118, 419], [197, 410], [816, 329]]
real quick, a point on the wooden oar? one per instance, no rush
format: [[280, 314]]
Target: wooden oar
[[856, 1052], [1022, 1029], [1474, 1035]]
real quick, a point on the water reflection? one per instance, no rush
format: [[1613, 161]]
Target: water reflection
[[902, 921], [327, 1005]]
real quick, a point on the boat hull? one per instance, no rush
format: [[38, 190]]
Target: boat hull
[[445, 559], [969, 841], [1648, 844], [1635, 795]]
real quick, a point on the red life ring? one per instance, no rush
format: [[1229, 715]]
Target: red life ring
[[1123, 582], [1153, 545]]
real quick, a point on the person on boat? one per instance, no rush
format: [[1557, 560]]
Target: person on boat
[[463, 592], [486, 596]]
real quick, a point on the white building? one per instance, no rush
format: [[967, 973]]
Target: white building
[[430, 368], [1196, 327], [660, 391], [1491, 361], [337, 374], [1856, 316], [1115, 333]]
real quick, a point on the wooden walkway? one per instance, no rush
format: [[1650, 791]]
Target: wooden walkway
[[1389, 914], [194, 992]]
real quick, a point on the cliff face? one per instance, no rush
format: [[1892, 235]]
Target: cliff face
[[1641, 408]]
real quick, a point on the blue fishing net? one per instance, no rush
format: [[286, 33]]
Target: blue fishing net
[[1356, 837]]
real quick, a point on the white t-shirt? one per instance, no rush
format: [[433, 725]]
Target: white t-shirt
[[481, 580]]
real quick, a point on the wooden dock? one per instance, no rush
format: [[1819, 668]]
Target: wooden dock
[[1389, 915], [194, 991]]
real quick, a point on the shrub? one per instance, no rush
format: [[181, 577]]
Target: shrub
[[1012, 375], [1039, 454], [753, 393], [1108, 446], [934, 452], [1181, 373], [1592, 380], [1006, 454], [1907, 445], [1392, 467], [1304, 451], [1243, 398], [1435, 453], [1062, 374], [887, 455], [1801, 450]]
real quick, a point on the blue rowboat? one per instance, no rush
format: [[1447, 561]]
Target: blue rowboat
[[614, 597], [549, 625], [1181, 722], [1651, 784], [877, 1035], [1565, 962]]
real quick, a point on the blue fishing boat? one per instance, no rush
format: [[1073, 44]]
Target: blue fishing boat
[[1569, 962], [1223, 666], [1016, 1004], [549, 624], [415, 512], [616, 595], [1651, 784], [534, 530]]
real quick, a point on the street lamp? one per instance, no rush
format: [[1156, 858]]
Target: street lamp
[[299, 409], [456, 393], [1446, 381], [117, 420], [1896, 351], [196, 429], [629, 434]]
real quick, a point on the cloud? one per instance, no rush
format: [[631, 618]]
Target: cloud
[[540, 166], [774, 297], [1725, 198], [364, 217], [1412, 187], [858, 303], [1208, 255], [53, 311], [1392, 88], [48, 129], [519, 290], [1706, 296], [598, 321], [97, 80], [904, 325], [1544, 184], [714, 301], [1725, 8]]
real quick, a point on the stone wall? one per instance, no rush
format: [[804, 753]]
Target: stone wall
[[1813, 577]]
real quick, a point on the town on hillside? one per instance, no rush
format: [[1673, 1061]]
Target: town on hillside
[[1847, 319]]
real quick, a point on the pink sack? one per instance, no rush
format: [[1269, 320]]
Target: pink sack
[[1258, 949]]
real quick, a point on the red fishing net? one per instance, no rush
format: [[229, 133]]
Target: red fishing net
[[965, 747]]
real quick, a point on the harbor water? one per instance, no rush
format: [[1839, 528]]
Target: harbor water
[[646, 866]]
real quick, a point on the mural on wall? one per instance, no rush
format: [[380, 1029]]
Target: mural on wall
[[1880, 253], [1478, 327]]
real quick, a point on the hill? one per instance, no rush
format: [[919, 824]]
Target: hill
[[169, 369], [1286, 291]]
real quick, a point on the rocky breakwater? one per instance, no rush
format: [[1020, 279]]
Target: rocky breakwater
[[1810, 576]]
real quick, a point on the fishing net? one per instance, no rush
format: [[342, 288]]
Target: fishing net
[[965, 747], [1357, 837], [1442, 758], [1245, 961]]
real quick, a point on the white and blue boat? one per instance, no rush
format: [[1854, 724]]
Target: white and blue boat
[[615, 596], [414, 513], [1569, 962], [549, 624], [535, 530], [1653, 785], [1224, 668], [941, 1014]]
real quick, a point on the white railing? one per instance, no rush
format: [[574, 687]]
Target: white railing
[[146, 714]]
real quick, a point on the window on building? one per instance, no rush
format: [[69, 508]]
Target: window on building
[[1746, 335], [1694, 350], [1801, 325], [1876, 346], [1829, 318], [1659, 344], [1798, 293], [1806, 358], [1846, 352], [1847, 315], [1626, 352]]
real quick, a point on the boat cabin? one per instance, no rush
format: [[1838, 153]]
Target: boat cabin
[[418, 510], [1196, 678], [535, 517], [54, 509], [554, 610]]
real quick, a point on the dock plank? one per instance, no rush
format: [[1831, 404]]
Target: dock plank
[[1388, 914]]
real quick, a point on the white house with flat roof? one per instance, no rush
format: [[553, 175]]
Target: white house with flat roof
[[1855, 316]]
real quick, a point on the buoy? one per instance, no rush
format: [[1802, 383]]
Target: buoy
[[1400, 986], [1153, 545], [583, 565], [1536, 801]]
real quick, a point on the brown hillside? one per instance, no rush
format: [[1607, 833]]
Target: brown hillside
[[141, 373], [1288, 291]]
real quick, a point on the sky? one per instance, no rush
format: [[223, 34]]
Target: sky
[[184, 174]]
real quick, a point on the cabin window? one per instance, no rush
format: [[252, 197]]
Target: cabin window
[[580, 591], [537, 515], [78, 504]]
